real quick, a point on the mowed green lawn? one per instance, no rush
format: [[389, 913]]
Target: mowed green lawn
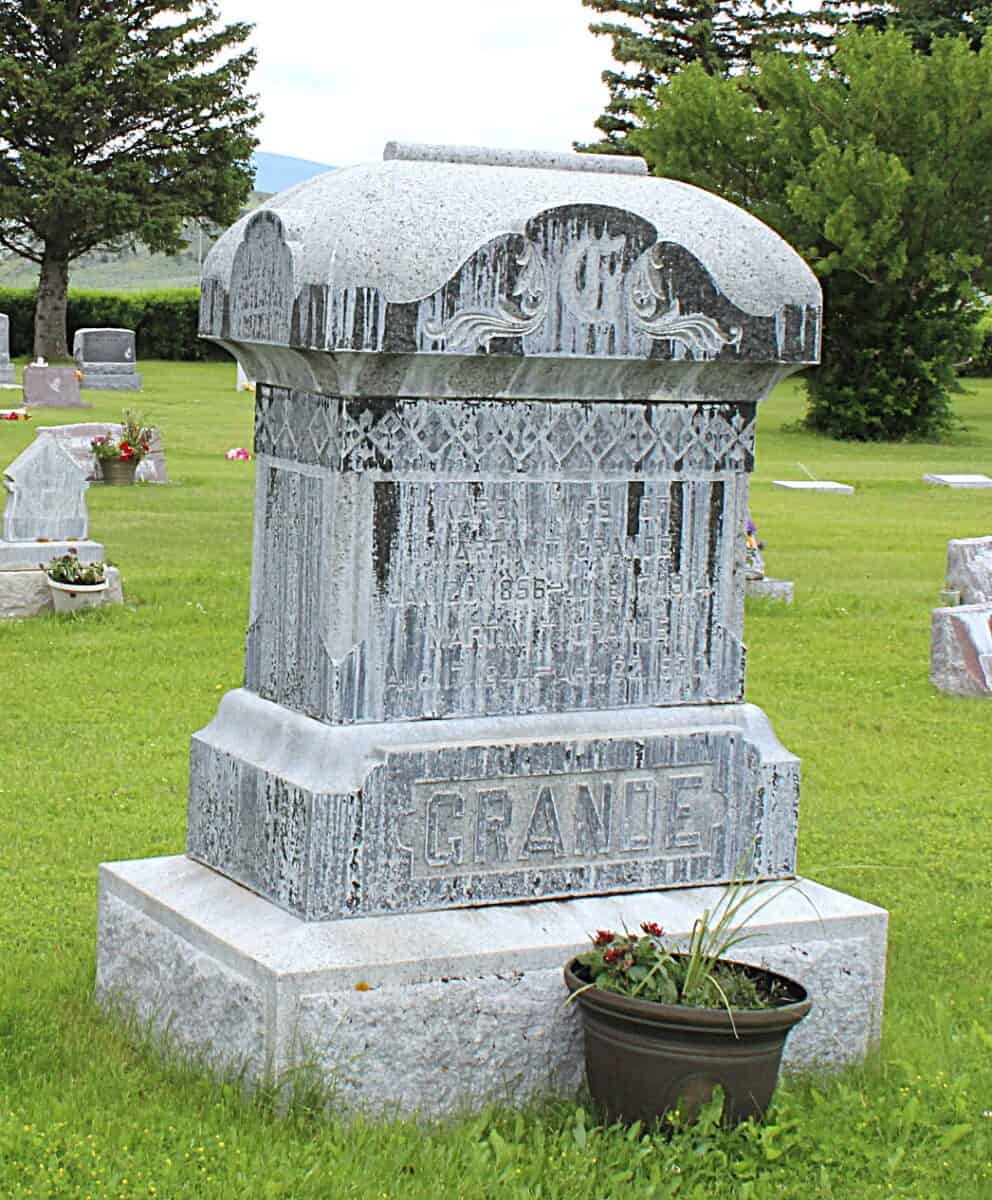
[[96, 716]]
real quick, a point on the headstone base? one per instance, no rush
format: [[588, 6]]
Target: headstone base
[[369, 819], [961, 649], [6, 374], [26, 593], [19, 556], [52, 387], [770, 589], [437, 1012], [103, 382]]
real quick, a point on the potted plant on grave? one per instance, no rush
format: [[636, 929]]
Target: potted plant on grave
[[74, 584], [119, 455], [664, 1028]]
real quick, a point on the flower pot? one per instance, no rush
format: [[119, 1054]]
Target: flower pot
[[645, 1059], [118, 471], [67, 597]]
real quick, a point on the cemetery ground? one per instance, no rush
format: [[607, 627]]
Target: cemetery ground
[[96, 717]]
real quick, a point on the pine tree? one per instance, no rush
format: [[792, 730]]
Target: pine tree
[[659, 39], [119, 120]]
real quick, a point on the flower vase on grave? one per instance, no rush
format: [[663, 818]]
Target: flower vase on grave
[[118, 472]]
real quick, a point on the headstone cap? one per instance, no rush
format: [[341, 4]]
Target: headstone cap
[[441, 250], [541, 160]]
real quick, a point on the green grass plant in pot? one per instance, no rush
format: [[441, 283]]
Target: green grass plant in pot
[[665, 1028], [74, 584], [119, 454]]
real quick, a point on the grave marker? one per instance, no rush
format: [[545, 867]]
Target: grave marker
[[959, 481], [6, 366], [107, 359], [495, 650]]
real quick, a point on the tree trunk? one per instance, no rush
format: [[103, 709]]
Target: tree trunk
[[51, 307]]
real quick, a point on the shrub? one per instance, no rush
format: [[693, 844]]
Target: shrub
[[164, 322]]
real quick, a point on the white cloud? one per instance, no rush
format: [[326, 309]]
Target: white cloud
[[337, 80]]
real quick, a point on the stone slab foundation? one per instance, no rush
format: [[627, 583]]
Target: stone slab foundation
[[437, 1012], [25, 593]]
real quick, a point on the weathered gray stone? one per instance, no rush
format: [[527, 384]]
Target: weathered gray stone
[[52, 387], [969, 569], [342, 822], [46, 494], [107, 359], [472, 999], [959, 481], [25, 593], [20, 556], [441, 259], [504, 425], [770, 589], [485, 156], [78, 439], [961, 649], [6, 366], [814, 485]]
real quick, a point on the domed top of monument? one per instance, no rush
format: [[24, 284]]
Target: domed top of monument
[[455, 251]]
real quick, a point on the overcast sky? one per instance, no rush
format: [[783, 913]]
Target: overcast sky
[[337, 79]]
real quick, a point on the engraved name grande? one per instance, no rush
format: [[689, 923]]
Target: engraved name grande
[[498, 825]]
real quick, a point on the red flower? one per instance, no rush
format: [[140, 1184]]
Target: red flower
[[603, 937], [612, 955], [127, 451], [652, 928]]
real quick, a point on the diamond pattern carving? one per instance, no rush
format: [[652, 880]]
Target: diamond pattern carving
[[504, 438]]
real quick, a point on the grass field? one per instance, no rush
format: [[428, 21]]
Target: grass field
[[95, 722]]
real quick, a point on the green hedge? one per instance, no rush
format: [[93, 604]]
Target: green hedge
[[164, 322], [981, 361]]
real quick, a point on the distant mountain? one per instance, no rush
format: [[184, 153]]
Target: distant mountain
[[275, 172]]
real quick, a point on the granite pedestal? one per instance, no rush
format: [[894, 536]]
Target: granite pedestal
[[437, 1011]]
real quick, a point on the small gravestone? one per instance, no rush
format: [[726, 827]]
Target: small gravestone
[[78, 440], [6, 366], [46, 495], [107, 359], [45, 518], [52, 387], [969, 569], [961, 650], [814, 485], [959, 481], [756, 582], [961, 632], [494, 671]]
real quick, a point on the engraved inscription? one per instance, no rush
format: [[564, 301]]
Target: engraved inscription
[[547, 596], [673, 813]]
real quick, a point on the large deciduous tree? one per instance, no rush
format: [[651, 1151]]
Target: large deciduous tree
[[119, 120], [655, 39], [875, 165]]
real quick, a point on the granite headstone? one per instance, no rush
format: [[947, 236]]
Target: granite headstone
[[6, 366], [961, 634], [77, 439], [46, 495], [969, 569], [52, 387], [495, 654], [107, 359]]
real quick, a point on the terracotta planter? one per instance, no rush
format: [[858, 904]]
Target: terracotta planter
[[68, 597], [645, 1059], [118, 472]]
